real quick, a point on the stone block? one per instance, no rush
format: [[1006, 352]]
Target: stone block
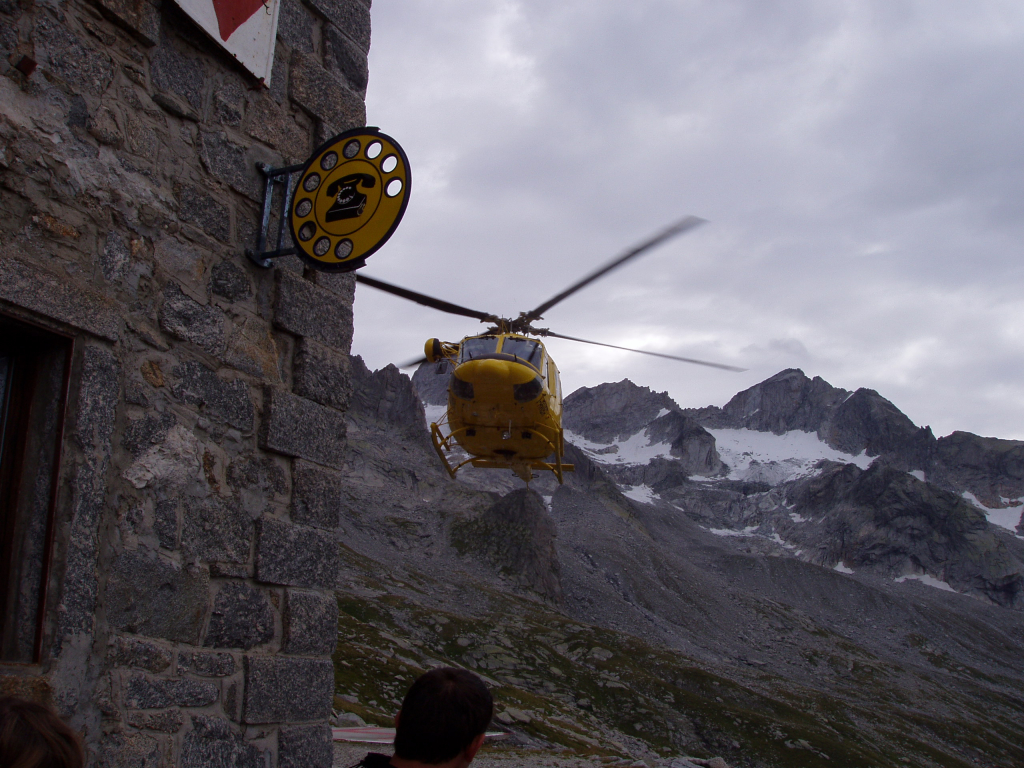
[[181, 260], [305, 309], [305, 746], [165, 523], [321, 374], [254, 471], [142, 434], [316, 496], [144, 692], [212, 530], [140, 16], [258, 480], [154, 598], [231, 570], [325, 95], [179, 76], [188, 320], [103, 127], [58, 297], [206, 664], [115, 257], [80, 587], [341, 283], [294, 426], [279, 79], [169, 465], [231, 163], [69, 58], [129, 749], [253, 349], [345, 58], [97, 399], [139, 138], [350, 16], [169, 721], [229, 281], [131, 652], [310, 623], [281, 689], [227, 103], [242, 617], [271, 124], [226, 401], [213, 743], [295, 555], [203, 210], [295, 26]]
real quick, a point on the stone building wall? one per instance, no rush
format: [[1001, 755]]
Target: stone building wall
[[191, 614]]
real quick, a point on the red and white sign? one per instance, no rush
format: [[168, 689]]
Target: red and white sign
[[247, 29]]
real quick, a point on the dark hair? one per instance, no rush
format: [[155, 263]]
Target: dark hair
[[442, 713], [31, 736]]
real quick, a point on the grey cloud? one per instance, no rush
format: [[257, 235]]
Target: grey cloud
[[860, 163]]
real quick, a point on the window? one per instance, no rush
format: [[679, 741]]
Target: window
[[526, 350], [34, 374], [478, 346]]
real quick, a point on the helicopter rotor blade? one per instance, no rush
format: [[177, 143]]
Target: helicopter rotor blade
[[427, 301], [412, 363], [683, 225], [646, 352]]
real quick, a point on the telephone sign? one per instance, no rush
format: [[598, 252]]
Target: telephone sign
[[349, 199]]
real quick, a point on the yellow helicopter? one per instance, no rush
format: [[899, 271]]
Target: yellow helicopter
[[504, 395]]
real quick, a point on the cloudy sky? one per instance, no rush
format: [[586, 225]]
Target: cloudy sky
[[861, 166]]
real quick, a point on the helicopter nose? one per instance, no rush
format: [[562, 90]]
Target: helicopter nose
[[491, 371], [495, 372]]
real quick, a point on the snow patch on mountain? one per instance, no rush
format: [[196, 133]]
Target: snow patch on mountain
[[638, 449], [641, 493], [772, 459], [924, 578], [1008, 517], [750, 530]]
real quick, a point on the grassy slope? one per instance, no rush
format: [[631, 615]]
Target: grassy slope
[[565, 685]]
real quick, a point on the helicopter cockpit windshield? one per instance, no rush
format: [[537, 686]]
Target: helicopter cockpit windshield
[[470, 349], [526, 350]]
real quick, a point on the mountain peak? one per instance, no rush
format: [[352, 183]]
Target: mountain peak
[[609, 412]]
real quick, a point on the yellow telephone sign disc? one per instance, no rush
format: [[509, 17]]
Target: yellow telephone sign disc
[[350, 197]]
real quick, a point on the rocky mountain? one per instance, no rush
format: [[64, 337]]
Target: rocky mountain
[[887, 497], [865, 422], [697, 587]]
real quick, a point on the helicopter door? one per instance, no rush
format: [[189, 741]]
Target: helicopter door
[[554, 381]]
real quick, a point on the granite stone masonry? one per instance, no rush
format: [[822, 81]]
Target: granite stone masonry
[[186, 607]]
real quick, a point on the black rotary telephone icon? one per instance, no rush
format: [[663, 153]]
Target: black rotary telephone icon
[[348, 200]]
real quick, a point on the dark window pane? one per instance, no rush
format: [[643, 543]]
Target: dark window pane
[[477, 347], [33, 367], [524, 349]]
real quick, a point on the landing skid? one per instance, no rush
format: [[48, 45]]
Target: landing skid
[[524, 469]]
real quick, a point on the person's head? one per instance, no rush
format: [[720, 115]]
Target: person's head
[[444, 712], [31, 736]]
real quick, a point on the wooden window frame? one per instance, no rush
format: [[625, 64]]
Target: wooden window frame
[[27, 343]]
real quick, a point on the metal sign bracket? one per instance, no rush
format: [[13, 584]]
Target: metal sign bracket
[[262, 257]]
